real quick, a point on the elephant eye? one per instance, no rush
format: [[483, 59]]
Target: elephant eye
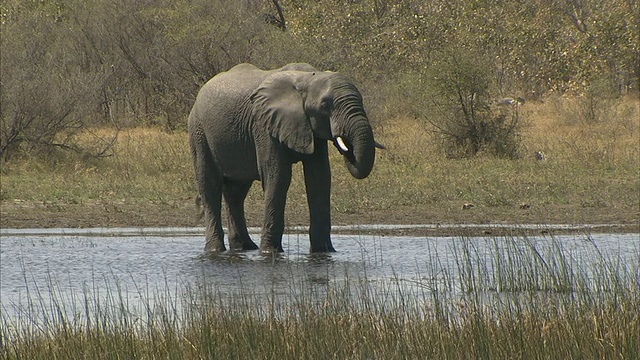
[[326, 105]]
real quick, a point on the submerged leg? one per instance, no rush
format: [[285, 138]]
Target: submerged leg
[[235, 193], [317, 179], [275, 182], [210, 189]]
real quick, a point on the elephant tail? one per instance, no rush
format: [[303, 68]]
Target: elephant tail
[[199, 208]]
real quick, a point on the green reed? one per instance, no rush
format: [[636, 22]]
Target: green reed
[[516, 299]]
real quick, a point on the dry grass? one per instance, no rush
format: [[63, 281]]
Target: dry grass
[[585, 163], [590, 166], [145, 165]]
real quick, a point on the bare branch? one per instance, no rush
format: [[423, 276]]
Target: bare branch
[[281, 21], [578, 13]]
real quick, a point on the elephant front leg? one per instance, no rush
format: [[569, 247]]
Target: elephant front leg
[[317, 177], [276, 178]]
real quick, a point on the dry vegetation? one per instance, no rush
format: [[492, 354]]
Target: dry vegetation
[[69, 65], [589, 175]]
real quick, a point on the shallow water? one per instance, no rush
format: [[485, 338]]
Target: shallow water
[[45, 270]]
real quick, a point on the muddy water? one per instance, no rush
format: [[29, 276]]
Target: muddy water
[[45, 269]]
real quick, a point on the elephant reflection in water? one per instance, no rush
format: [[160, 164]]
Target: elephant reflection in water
[[249, 124]]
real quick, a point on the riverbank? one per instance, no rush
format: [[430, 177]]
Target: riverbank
[[183, 214]]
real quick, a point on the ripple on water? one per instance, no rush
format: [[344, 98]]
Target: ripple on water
[[37, 266]]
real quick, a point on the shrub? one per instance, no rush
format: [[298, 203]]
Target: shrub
[[461, 109], [45, 94]]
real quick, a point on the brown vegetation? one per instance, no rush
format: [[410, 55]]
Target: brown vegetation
[[589, 175], [68, 65], [95, 95]]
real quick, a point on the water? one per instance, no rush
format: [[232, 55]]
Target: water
[[48, 271]]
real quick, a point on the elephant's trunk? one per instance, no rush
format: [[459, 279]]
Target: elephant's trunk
[[352, 132], [360, 158], [358, 147]]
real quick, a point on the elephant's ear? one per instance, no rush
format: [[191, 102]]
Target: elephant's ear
[[279, 106]]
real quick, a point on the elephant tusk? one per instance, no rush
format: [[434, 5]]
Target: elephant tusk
[[378, 145], [341, 145]]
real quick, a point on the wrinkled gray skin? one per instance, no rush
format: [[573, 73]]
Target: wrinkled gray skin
[[248, 124]]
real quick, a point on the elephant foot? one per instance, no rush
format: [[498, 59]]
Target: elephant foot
[[245, 245], [269, 244], [266, 250], [250, 246], [214, 246], [241, 243], [322, 249], [321, 244]]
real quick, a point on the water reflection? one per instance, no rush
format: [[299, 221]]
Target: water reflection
[[39, 270]]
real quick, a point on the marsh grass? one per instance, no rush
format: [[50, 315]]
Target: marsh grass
[[518, 299]]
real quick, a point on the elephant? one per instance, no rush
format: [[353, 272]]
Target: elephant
[[250, 124]]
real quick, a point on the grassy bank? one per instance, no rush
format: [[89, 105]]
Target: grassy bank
[[523, 301], [590, 174]]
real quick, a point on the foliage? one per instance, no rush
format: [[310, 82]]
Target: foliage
[[44, 91], [460, 108], [69, 64], [536, 45], [72, 64]]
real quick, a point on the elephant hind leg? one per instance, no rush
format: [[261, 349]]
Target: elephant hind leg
[[209, 183], [235, 193]]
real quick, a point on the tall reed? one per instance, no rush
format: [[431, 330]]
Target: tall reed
[[516, 299]]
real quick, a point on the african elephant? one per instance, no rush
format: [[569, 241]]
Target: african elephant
[[250, 124]]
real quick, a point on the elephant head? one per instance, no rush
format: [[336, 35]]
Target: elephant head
[[299, 108]]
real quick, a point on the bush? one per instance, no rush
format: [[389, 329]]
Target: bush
[[461, 109], [68, 64], [45, 94]]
